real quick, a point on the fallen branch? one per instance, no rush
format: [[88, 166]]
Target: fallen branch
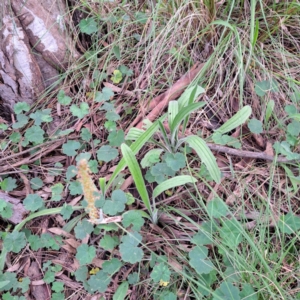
[[250, 154]]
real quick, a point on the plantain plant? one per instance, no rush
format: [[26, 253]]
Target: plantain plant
[[173, 160]]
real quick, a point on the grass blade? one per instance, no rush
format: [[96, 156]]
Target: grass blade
[[137, 175], [206, 156], [173, 182]]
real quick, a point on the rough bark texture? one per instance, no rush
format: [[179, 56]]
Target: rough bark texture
[[34, 46]]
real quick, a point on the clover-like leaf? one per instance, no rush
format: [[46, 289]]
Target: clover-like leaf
[[117, 76], [294, 128], [81, 111], [125, 70], [230, 233], [10, 279], [227, 291], [3, 126], [201, 238], [199, 261], [41, 116], [88, 26], [134, 218], [105, 95], [116, 204], [35, 134], [8, 184], [151, 158], [36, 183], [128, 248], [160, 272], [71, 172], [175, 161], [5, 209], [132, 239], [57, 190], [34, 242], [57, 287], [217, 208], [262, 87], [81, 273], [85, 134], [131, 254], [85, 254], [111, 266], [75, 188], [112, 116], [116, 138], [224, 139], [161, 171], [99, 282], [248, 292], [107, 153], [110, 126], [255, 126], [21, 121], [66, 211], [63, 99], [20, 107], [83, 155], [83, 228], [109, 242], [107, 106], [15, 137], [289, 223], [14, 241], [33, 202], [291, 110], [70, 148]]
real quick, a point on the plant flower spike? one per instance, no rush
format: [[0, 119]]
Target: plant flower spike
[[91, 195], [90, 191]]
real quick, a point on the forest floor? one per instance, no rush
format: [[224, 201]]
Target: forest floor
[[166, 165]]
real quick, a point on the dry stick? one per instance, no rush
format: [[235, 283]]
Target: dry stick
[[159, 103], [250, 154]]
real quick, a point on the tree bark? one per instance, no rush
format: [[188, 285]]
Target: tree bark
[[34, 48]]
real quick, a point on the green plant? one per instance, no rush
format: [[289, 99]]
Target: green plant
[[174, 160]]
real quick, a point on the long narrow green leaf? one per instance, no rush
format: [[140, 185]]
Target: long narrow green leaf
[[164, 135], [172, 112], [195, 92], [238, 119], [205, 155], [137, 175], [45, 212], [189, 95], [185, 111], [135, 147], [173, 182], [121, 291], [134, 134]]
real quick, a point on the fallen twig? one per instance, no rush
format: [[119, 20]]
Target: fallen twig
[[250, 154]]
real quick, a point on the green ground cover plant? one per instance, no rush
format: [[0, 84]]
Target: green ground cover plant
[[176, 208]]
